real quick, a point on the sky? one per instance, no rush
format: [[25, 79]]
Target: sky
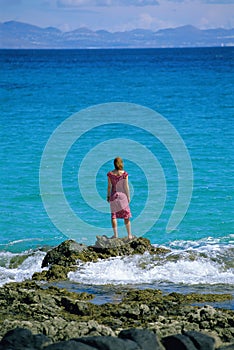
[[120, 15]]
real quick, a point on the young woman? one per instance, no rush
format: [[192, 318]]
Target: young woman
[[119, 197]]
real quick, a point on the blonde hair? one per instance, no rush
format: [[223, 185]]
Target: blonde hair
[[118, 163]]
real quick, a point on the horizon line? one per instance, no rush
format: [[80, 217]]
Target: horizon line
[[118, 31]]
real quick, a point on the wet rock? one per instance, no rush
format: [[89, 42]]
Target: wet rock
[[64, 254], [17, 260], [40, 276], [199, 298], [145, 295], [68, 252]]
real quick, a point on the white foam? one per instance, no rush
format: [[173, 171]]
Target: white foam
[[206, 242], [24, 271], [146, 269]]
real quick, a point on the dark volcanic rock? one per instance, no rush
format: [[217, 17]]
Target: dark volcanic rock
[[200, 340], [129, 339], [178, 342], [145, 339], [228, 347], [189, 341], [132, 339], [23, 339], [69, 345], [109, 343]]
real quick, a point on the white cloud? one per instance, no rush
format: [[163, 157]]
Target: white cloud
[[145, 21], [108, 3]]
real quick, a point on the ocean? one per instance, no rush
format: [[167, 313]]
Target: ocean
[[121, 99]]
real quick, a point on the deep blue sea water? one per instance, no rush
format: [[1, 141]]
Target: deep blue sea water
[[191, 88]]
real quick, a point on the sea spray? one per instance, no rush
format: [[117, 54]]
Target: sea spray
[[192, 266], [31, 263]]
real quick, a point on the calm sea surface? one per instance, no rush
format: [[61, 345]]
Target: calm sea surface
[[191, 88]]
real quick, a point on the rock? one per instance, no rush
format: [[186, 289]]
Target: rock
[[57, 272], [69, 345], [129, 339], [191, 340], [76, 307], [107, 247], [18, 338], [62, 315], [144, 295], [228, 347], [95, 343], [178, 342], [68, 252], [65, 254], [105, 242], [145, 339], [17, 260], [200, 340], [109, 343], [23, 339]]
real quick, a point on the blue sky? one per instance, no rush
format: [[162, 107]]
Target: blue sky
[[120, 15]]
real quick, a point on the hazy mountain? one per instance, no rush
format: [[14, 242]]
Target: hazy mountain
[[22, 35]]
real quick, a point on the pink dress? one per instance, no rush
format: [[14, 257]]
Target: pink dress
[[118, 199]]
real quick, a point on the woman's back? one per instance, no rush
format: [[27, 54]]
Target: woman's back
[[118, 180]]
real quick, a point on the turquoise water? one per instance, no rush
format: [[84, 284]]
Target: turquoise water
[[191, 88]]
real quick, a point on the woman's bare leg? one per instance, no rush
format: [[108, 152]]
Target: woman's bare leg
[[128, 228], [114, 226]]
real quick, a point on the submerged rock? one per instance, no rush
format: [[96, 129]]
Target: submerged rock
[[17, 260]]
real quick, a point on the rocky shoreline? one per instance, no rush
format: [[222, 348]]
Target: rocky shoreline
[[143, 319]]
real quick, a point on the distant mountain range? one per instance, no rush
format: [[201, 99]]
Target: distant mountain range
[[18, 35]]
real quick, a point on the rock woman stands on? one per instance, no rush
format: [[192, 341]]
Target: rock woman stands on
[[118, 196]]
